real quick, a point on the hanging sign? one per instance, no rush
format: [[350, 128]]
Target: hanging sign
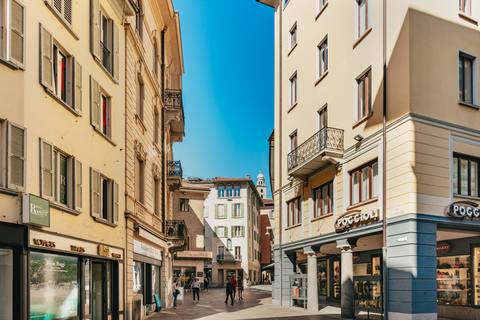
[[355, 257], [463, 209], [35, 210], [355, 218], [442, 247]]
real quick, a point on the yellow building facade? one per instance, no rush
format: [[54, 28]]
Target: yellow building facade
[[379, 218]]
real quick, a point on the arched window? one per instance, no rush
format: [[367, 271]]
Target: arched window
[[229, 190], [221, 191], [236, 190]]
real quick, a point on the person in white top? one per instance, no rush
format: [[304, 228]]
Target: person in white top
[[196, 289]]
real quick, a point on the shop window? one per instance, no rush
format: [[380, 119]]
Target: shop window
[[322, 272], [465, 175], [323, 199], [104, 198], [336, 279], [12, 24], [453, 279], [53, 278], [476, 272], [294, 212], [364, 183], [137, 277], [6, 283]]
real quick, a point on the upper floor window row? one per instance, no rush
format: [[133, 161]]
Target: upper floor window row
[[228, 190]]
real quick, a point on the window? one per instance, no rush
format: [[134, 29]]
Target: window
[[465, 6], [155, 58], [238, 210], [60, 72], [364, 92], [156, 197], [294, 212], [104, 43], [64, 9], [363, 16], [104, 198], [293, 36], [323, 58], [321, 4], [293, 141], [238, 253], [220, 211], [221, 232], [12, 24], [221, 252], [221, 191], [206, 212], [60, 176], [140, 97], [466, 66], [272, 214], [293, 89], [139, 19], [14, 156], [229, 191], [156, 127], [364, 183], [238, 231], [236, 190], [100, 109], [322, 118], [465, 175], [139, 180], [323, 199], [184, 205]]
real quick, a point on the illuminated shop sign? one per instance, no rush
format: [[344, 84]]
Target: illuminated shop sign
[[442, 247], [463, 209], [355, 218], [146, 250], [35, 210]]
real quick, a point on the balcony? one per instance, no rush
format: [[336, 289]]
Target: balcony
[[324, 147], [174, 174], [222, 258], [174, 113], [177, 233]]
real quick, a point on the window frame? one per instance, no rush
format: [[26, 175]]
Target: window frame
[[293, 89], [463, 8], [457, 168], [318, 200], [322, 66], [366, 89], [105, 113], [293, 32], [184, 205], [359, 172], [462, 56], [221, 191], [140, 183], [229, 190], [294, 212], [8, 29], [111, 194], [360, 31], [236, 190], [140, 95]]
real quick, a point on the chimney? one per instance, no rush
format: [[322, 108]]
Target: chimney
[[248, 176]]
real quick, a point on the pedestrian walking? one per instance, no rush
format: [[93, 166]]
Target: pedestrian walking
[[229, 291], [234, 282], [240, 288], [176, 292], [196, 288], [205, 284]]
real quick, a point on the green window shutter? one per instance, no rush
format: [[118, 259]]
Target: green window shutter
[[77, 182], [216, 212], [17, 33], [94, 193], [46, 58], [225, 230], [94, 103], [115, 202], [233, 210], [116, 54], [95, 28], [225, 212], [17, 154], [46, 169], [232, 231], [241, 210], [243, 231], [77, 86], [215, 232]]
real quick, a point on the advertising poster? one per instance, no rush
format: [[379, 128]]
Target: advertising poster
[[53, 286], [180, 295]]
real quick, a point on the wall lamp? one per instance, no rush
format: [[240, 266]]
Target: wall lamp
[[269, 228], [358, 137]]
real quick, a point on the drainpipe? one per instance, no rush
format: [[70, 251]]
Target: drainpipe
[[162, 45], [384, 173], [280, 134]]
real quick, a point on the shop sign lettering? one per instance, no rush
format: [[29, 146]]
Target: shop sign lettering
[[35, 210], [116, 256], [442, 247], [146, 250], [103, 250], [44, 243], [463, 209], [77, 249], [355, 257], [355, 218]]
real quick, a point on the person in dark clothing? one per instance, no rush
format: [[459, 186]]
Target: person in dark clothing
[[229, 292], [205, 284]]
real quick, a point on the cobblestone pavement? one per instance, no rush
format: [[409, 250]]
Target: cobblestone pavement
[[256, 304]]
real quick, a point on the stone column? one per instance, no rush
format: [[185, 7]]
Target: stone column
[[312, 283], [347, 289]]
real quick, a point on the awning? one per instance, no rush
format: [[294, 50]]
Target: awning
[[269, 266]]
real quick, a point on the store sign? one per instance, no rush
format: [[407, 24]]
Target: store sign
[[355, 257], [146, 250], [35, 210], [355, 218], [463, 209], [442, 247], [194, 254]]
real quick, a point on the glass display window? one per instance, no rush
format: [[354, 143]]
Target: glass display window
[[6, 283], [336, 279], [322, 278], [137, 277], [453, 280], [368, 294], [476, 272]]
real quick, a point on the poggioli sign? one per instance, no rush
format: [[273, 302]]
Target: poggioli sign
[[356, 218], [463, 209]]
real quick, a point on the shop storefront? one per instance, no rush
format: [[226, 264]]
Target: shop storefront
[[184, 274]]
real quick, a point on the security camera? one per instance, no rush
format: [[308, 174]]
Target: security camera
[[267, 234]]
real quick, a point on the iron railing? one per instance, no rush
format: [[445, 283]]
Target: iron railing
[[326, 138], [176, 229], [228, 258], [174, 169], [173, 100]]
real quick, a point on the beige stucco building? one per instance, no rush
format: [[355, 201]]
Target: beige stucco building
[[361, 206]]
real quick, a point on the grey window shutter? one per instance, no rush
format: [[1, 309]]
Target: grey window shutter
[[17, 153], [216, 211], [115, 202], [95, 28], [94, 103], [241, 210], [225, 232], [94, 193], [46, 58], [17, 33], [215, 232], [46, 169], [243, 231], [77, 184], [77, 86], [116, 53]]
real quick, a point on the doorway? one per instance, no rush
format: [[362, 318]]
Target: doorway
[[101, 290]]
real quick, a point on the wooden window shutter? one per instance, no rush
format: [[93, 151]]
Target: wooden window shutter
[[46, 58], [46, 169], [243, 231], [215, 232], [233, 210], [67, 10], [17, 152], [225, 210], [17, 33], [94, 103], [232, 231], [77, 184], [95, 28], [241, 210], [116, 51], [94, 193], [225, 232], [77, 86], [216, 211], [115, 202]]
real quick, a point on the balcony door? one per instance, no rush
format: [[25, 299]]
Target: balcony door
[[322, 118], [221, 253]]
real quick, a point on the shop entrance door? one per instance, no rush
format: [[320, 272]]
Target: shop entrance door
[[98, 291]]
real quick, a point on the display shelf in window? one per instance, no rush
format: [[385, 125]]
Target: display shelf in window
[[476, 272], [336, 279], [368, 294], [453, 280], [298, 287]]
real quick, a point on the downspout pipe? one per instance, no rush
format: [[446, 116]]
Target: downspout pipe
[[384, 173], [280, 157]]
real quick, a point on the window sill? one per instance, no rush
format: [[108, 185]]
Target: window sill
[[239, 217], [322, 217], [294, 226], [105, 70], [356, 205], [140, 123], [106, 222], [9, 191], [363, 36], [321, 78], [9, 64], [294, 46], [62, 20], [321, 11], [64, 208], [468, 18], [470, 105], [61, 102], [292, 107], [221, 218], [362, 120], [104, 136]]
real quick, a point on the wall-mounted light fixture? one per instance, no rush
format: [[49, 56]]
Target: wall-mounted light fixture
[[358, 137]]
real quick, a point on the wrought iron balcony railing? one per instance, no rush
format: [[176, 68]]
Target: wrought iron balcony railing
[[176, 229], [174, 169], [173, 100], [326, 138], [228, 258]]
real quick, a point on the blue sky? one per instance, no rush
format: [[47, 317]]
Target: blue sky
[[228, 52]]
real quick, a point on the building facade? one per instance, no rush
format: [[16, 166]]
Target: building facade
[[375, 156], [62, 232], [267, 234]]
